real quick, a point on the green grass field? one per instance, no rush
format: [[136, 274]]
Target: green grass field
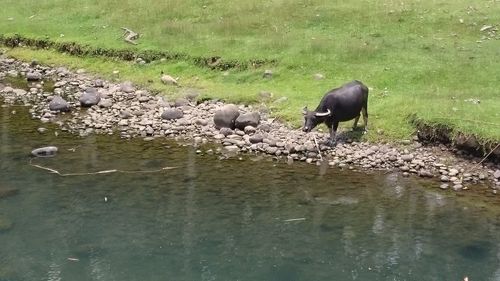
[[420, 58]]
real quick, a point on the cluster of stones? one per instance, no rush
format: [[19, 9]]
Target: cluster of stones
[[82, 104]]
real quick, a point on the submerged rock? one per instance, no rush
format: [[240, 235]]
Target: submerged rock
[[8, 192], [5, 223], [47, 151]]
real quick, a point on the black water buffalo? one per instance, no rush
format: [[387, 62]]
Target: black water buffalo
[[338, 105]]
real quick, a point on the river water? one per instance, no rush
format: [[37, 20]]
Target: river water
[[224, 219]]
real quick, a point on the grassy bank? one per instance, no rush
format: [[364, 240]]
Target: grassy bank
[[424, 59]]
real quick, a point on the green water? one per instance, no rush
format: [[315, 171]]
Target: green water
[[212, 219]]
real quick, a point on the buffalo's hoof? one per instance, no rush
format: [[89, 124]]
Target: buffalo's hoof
[[331, 143]]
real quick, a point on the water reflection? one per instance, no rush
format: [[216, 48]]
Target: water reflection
[[226, 220]]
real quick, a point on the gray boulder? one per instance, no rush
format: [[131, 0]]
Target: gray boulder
[[47, 151], [172, 113], [58, 104], [247, 119], [90, 97], [226, 116], [34, 76]]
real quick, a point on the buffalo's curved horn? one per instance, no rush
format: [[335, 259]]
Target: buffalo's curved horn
[[323, 114], [304, 110]]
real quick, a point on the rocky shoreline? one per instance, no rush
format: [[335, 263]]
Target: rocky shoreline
[[82, 104]]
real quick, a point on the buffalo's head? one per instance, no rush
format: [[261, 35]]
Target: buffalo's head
[[313, 118]]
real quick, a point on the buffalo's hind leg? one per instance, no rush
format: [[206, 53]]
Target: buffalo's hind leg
[[355, 125], [364, 111]]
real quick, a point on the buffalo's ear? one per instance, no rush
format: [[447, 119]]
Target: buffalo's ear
[[304, 110]]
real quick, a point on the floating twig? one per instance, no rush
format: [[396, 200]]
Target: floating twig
[[297, 219], [54, 171]]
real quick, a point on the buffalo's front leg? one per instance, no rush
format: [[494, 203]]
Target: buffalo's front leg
[[333, 133]]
